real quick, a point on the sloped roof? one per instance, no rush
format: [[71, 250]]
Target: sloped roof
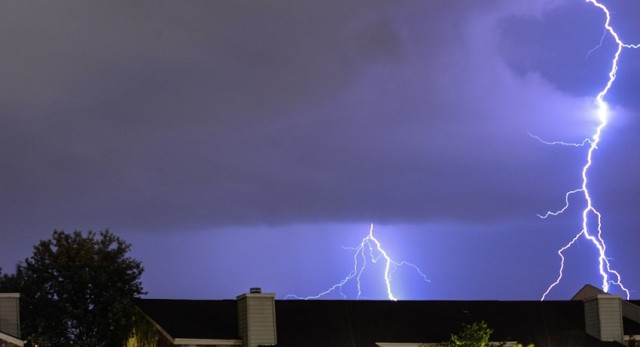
[[588, 291], [363, 323], [631, 327], [202, 319], [13, 340]]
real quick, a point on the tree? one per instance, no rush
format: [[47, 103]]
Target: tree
[[77, 290], [474, 335], [10, 283]]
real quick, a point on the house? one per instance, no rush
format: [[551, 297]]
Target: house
[[592, 318], [10, 320]]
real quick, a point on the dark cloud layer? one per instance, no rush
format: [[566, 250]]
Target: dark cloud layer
[[178, 117]]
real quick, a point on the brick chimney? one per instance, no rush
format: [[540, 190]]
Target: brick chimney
[[603, 317], [257, 318]]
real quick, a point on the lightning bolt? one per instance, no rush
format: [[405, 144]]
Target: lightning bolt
[[590, 214], [370, 249]]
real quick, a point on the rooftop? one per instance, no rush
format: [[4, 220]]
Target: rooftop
[[363, 323]]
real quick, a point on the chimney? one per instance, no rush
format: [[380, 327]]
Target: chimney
[[10, 314], [257, 318], [603, 317]]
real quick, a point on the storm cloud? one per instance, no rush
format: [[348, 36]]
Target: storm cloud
[[173, 117]]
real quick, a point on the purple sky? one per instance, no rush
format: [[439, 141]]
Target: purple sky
[[239, 144]]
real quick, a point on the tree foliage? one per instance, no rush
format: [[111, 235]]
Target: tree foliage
[[77, 290], [477, 334], [474, 335], [10, 283]]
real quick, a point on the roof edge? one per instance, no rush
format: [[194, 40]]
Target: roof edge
[[9, 295], [11, 339], [206, 342]]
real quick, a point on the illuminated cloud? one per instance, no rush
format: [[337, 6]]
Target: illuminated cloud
[[171, 119]]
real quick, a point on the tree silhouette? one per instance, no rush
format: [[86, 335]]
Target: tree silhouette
[[77, 290]]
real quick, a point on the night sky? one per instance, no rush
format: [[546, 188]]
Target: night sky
[[237, 144]]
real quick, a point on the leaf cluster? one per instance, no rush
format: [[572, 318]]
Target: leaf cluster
[[474, 335], [477, 334], [77, 290]]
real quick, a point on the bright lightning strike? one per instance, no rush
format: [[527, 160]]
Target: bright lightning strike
[[369, 249], [590, 215]]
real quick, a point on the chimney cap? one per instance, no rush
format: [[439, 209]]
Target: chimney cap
[[255, 290]]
